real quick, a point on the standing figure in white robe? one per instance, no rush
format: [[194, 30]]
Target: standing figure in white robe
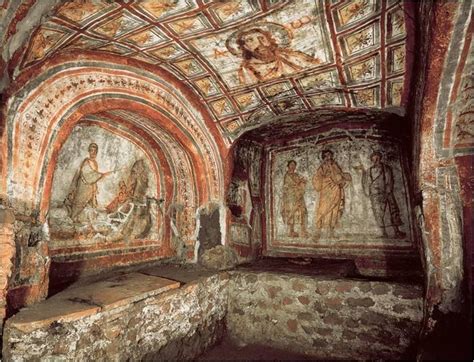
[[83, 190]]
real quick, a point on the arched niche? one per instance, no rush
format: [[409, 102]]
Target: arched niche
[[107, 191], [140, 105], [33, 120], [93, 239]]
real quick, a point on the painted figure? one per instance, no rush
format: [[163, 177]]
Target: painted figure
[[139, 223], [329, 181], [293, 206], [264, 59], [83, 191], [118, 200], [378, 186]]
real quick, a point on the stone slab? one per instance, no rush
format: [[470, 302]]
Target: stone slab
[[78, 302]]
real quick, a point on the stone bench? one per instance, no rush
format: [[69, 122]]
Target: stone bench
[[132, 317], [139, 316]]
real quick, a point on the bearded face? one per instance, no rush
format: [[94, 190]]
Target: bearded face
[[257, 44]]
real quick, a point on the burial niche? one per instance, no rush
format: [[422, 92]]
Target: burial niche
[[105, 192]]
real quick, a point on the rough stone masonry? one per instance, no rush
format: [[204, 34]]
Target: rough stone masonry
[[319, 317]]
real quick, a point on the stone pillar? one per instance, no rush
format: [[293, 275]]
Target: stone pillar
[[7, 253]]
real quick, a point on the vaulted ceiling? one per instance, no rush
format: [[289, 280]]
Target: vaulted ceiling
[[246, 59]]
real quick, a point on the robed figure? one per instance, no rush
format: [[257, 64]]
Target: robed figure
[[293, 206], [83, 190], [378, 186], [329, 181]]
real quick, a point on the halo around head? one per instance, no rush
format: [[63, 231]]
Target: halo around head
[[281, 34]]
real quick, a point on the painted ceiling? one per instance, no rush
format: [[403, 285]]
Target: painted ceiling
[[246, 58]]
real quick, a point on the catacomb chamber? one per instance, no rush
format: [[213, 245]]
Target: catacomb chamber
[[319, 151]]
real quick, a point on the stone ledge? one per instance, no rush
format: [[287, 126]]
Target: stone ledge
[[326, 315], [160, 322], [82, 301]]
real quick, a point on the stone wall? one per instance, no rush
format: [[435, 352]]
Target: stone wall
[[442, 158], [324, 318], [179, 324], [30, 273]]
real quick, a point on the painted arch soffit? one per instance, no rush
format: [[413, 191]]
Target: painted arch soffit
[[33, 122], [247, 58]]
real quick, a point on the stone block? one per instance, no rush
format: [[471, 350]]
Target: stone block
[[371, 318], [324, 331], [344, 287], [334, 303], [348, 334], [292, 325], [360, 302], [406, 292], [399, 308], [380, 289], [305, 316], [303, 299], [332, 319], [273, 291], [219, 258]]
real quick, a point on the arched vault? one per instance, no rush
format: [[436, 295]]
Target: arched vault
[[36, 125]]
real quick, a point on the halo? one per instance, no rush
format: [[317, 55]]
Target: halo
[[281, 34]]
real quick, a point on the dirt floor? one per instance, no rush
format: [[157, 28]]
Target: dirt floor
[[229, 351]]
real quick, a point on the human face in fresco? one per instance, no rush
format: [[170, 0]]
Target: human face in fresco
[[93, 151], [291, 166], [327, 156], [254, 40], [375, 158]]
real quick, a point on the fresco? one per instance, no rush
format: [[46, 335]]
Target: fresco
[[350, 190], [100, 195], [244, 197], [268, 49], [464, 116], [243, 57], [82, 11], [239, 234]]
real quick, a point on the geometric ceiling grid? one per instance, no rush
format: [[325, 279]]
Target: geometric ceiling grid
[[247, 57]]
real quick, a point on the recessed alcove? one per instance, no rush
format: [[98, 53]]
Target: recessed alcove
[[286, 200], [107, 199]]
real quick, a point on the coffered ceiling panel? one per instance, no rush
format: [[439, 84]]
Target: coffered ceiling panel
[[247, 58]]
